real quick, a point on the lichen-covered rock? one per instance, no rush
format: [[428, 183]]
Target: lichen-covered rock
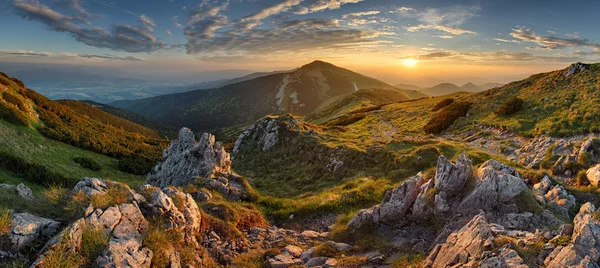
[[92, 186], [451, 178], [497, 183], [391, 211], [584, 249], [505, 258], [542, 187], [463, 246], [22, 190], [26, 228], [185, 160]]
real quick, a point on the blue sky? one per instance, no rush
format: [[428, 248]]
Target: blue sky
[[495, 38]]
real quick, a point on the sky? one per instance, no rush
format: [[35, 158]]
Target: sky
[[412, 41]]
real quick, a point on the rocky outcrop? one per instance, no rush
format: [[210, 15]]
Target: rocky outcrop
[[575, 68], [395, 208], [185, 160], [26, 228], [584, 247], [22, 190], [556, 198], [268, 132]]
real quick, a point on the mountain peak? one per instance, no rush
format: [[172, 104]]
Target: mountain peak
[[317, 64]]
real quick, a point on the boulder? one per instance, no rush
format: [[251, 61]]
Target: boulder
[[400, 201], [26, 228], [584, 249], [505, 257], [497, 183], [92, 186], [593, 175], [22, 190], [463, 246], [294, 251], [185, 160], [542, 187], [451, 178]]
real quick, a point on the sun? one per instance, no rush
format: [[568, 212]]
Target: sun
[[409, 62]]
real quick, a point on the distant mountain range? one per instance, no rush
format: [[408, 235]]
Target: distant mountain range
[[249, 98], [449, 88]]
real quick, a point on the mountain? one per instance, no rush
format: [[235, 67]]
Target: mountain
[[144, 121], [299, 91], [470, 87], [442, 89], [76, 123], [409, 86], [487, 86]]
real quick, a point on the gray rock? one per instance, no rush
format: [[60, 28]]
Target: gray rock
[[463, 246], [400, 202], [26, 228], [308, 254], [316, 261], [294, 251], [506, 258], [542, 187], [91, 186], [22, 190], [451, 178], [185, 160], [497, 183]]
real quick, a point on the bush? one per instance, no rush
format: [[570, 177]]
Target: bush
[[10, 98], [509, 107], [36, 173], [19, 82], [445, 118], [13, 115], [327, 250], [442, 104], [136, 166], [88, 163], [562, 240]]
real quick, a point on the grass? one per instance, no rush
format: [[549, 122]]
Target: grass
[[58, 157], [93, 243], [562, 240], [408, 261], [251, 259], [327, 250], [526, 202], [529, 252], [5, 219]]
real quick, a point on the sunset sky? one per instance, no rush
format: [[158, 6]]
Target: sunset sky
[[453, 40]]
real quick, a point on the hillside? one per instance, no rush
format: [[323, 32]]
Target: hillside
[[409, 87], [441, 89], [99, 115], [144, 121], [470, 87], [23, 106], [300, 91]]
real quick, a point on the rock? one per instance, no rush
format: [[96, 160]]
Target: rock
[[422, 208], [566, 229], [340, 246], [266, 132], [22, 190], [284, 260], [202, 196], [331, 262], [309, 234], [294, 251], [584, 249], [127, 253], [316, 261], [575, 68], [593, 175], [497, 183], [26, 228], [451, 178], [91, 186], [542, 187], [518, 221], [185, 160], [400, 202], [505, 258], [307, 255], [461, 247]]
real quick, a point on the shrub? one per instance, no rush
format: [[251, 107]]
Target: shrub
[[352, 262], [10, 98], [19, 82], [510, 107], [562, 240], [35, 173], [582, 179], [5, 220], [445, 118], [88, 163], [442, 104], [272, 252], [250, 259], [13, 115], [327, 250], [136, 166]]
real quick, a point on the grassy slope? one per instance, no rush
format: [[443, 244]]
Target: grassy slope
[[94, 113], [56, 156]]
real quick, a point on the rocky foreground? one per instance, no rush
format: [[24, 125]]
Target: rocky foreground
[[456, 217]]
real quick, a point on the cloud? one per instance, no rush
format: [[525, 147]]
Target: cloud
[[360, 14], [28, 53], [446, 20], [322, 5], [551, 42], [176, 23], [499, 56], [445, 36], [450, 30], [82, 14], [506, 40], [273, 10], [169, 33], [121, 37]]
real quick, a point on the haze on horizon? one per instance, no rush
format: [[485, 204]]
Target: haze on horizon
[[422, 42]]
